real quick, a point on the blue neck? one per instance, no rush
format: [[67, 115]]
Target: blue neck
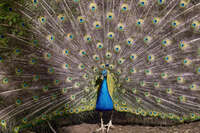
[[104, 100]]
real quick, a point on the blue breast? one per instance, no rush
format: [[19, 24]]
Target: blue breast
[[104, 100]]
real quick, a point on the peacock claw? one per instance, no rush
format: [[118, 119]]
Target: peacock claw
[[109, 126], [102, 129]]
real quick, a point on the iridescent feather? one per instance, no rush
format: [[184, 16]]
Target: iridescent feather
[[150, 49]]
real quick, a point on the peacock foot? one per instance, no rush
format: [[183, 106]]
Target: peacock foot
[[102, 129], [109, 126]]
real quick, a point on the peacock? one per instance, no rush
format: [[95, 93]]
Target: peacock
[[135, 57]]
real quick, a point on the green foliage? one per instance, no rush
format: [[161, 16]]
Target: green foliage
[[11, 21]]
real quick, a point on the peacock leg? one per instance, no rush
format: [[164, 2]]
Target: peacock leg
[[109, 125], [102, 129]]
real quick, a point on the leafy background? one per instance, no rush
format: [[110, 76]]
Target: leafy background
[[11, 21]]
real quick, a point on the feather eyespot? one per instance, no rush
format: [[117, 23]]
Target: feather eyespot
[[140, 22], [93, 7], [99, 45], [96, 57], [42, 20], [110, 16], [110, 35], [124, 7], [97, 25], [87, 38], [81, 19], [143, 3], [61, 17], [160, 2], [117, 48]]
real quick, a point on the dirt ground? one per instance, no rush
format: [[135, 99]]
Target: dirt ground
[[90, 128]]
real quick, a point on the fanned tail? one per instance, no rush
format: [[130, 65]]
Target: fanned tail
[[149, 47]]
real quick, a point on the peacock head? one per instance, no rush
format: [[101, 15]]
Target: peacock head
[[104, 73]]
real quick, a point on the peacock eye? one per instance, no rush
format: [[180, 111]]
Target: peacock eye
[[81, 66], [108, 55], [110, 35], [102, 66], [124, 7], [120, 27], [110, 66], [5, 80], [183, 3], [35, 2], [82, 52], [150, 58], [195, 25], [130, 41], [66, 52], [117, 48], [87, 38], [96, 57], [160, 2], [61, 17], [175, 23], [42, 20], [66, 66], [50, 38], [110, 15], [93, 6], [70, 36], [97, 25], [147, 39], [121, 61], [18, 102], [156, 20], [139, 22], [164, 42], [81, 19], [99, 45], [143, 3], [133, 57]]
